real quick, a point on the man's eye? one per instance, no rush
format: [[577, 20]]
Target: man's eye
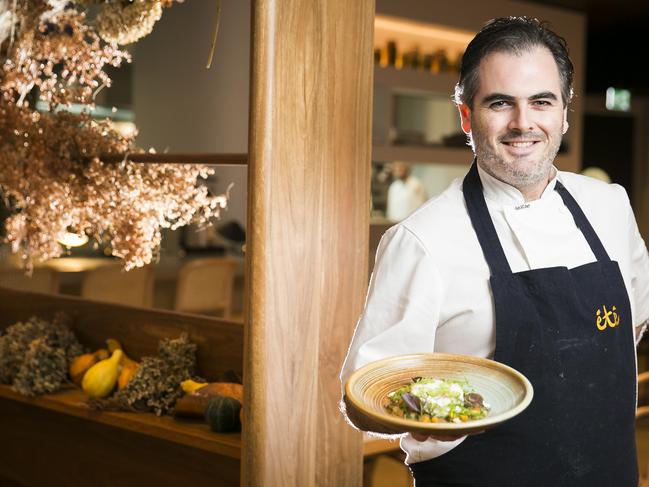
[[499, 104], [542, 103]]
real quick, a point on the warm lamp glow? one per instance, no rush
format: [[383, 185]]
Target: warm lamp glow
[[72, 239]]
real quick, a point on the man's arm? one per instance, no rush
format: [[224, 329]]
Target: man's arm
[[402, 306]]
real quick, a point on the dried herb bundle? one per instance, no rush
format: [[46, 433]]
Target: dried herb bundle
[[156, 384], [35, 354]]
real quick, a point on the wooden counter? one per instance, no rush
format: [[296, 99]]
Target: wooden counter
[[57, 440]]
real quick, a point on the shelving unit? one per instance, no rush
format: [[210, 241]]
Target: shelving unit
[[195, 434], [77, 445]]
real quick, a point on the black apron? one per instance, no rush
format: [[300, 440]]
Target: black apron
[[570, 332]]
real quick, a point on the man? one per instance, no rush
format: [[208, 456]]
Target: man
[[514, 263], [406, 193]]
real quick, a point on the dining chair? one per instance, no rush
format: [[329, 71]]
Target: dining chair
[[42, 280], [113, 284], [205, 286]]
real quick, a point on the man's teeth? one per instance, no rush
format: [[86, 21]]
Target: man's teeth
[[520, 144]]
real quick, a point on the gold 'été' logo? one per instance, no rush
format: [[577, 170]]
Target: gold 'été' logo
[[606, 318]]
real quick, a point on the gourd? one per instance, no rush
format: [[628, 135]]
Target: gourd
[[198, 394], [80, 365], [229, 389], [100, 379], [189, 386], [222, 414], [126, 374], [129, 367]]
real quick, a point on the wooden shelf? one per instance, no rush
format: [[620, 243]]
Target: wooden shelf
[[408, 79], [164, 158], [192, 433], [406, 153], [195, 434]]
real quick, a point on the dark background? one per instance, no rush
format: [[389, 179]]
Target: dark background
[[617, 54], [617, 43]]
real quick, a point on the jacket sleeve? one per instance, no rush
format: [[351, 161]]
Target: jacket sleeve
[[402, 307]]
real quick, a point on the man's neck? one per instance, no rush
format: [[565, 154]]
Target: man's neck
[[534, 191]]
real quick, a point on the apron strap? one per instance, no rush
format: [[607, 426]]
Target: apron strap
[[486, 232], [583, 224], [482, 223]]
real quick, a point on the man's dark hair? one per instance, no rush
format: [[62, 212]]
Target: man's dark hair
[[512, 35]]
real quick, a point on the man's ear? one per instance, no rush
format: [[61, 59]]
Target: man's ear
[[465, 116], [565, 124]]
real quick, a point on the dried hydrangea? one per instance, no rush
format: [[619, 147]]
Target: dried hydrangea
[[127, 22], [43, 370], [62, 57], [35, 354], [52, 177], [156, 384]]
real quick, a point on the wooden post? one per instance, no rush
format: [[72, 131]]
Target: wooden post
[[308, 221]]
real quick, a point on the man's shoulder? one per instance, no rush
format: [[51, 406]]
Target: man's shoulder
[[439, 213], [593, 192], [606, 205]]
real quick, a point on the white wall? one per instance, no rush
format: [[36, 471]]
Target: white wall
[[182, 107]]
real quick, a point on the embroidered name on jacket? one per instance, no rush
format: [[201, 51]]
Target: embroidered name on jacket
[[607, 319]]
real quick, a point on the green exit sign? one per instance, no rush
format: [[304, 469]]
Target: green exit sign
[[618, 99]]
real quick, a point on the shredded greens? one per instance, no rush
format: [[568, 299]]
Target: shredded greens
[[433, 400]]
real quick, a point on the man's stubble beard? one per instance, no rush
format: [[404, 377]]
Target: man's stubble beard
[[512, 173]]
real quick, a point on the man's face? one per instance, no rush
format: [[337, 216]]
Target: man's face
[[518, 117]]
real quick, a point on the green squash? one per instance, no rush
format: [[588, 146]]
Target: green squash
[[222, 414]]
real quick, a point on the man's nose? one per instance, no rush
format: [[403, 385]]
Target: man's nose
[[521, 119]]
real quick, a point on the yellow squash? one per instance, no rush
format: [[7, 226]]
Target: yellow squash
[[80, 365], [190, 386], [113, 345], [100, 379]]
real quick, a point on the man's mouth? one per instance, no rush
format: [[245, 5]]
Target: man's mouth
[[520, 144]]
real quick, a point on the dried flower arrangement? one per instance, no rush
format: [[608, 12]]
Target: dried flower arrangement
[[156, 384], [35, 355], [52, 177]]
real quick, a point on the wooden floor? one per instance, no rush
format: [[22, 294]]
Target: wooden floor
[[389, 472], [642, 440]]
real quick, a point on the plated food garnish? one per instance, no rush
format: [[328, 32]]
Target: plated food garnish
[[433, 400]]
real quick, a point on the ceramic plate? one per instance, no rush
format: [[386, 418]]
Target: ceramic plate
[[506, 390]]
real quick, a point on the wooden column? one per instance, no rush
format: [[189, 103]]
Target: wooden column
[[309, 175]]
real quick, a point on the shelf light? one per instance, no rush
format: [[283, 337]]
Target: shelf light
[[431, 31], [69, 239]]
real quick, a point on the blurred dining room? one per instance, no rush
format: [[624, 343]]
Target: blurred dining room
[[192, 196]]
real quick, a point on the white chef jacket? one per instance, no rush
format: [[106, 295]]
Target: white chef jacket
[[430, 287]]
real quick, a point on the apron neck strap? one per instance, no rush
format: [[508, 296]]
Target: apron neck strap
[[486, 232], [582, 223], [482, 223]]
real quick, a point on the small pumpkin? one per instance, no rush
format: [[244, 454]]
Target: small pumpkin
[[222, 414]]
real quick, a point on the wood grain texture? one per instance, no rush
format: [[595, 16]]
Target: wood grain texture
[[219, 342], [40, 447], [308, 221], [192, 433]]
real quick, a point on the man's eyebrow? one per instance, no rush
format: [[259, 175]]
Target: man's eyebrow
[[497, 97], [544, 95]]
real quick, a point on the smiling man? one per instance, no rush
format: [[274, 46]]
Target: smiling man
[[519, 262], [518, 118]]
